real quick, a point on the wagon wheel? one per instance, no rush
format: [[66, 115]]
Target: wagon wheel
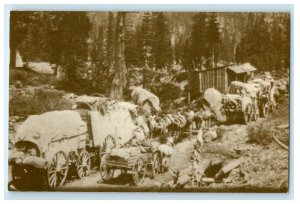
[[138, 171], [106, 172], [58, 170], [108, 144], [155, 165], [247, 114], [83, 164]]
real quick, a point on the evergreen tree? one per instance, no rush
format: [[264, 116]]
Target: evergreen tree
[[145, 39], [162, 53], [212, 40], [198, 40], [69, 41], [98, 56], [187, 56], [255, 47], [132, 53], [18, 31]]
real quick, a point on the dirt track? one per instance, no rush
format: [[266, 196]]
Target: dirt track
[[265, 167]]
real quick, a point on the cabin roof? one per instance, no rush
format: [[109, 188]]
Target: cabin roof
[[238, 69]]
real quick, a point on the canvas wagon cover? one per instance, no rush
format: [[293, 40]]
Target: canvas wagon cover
[[140, 95], [116, 122], [214, 98], [49, 127]]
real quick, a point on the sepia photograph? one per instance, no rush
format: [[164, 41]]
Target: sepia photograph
[[148, 101]]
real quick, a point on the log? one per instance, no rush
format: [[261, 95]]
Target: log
[[227, 168], [283, 126], [280, 143], [208, 180], [37, 162]]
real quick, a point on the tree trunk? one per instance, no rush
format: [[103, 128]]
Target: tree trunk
[[12, 42], [213, 57], [12, 59], [120, 68]]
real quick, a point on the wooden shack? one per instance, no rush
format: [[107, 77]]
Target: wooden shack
[[219, 78]]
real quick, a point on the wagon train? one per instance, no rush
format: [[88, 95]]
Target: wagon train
[[49, 146]]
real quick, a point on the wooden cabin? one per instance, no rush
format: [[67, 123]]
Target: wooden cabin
[[218, 78], [221, 77]]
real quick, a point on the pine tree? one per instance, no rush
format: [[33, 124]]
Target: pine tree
[[69, 41], [145, 40], [255, 47], [162, 52], [187, 56], [198, 41], [132, 56], [99, 60], [212, 39], [18, 31]]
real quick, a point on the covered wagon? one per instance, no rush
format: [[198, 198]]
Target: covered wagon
[[241, 102], [52, 141], [56, 141]]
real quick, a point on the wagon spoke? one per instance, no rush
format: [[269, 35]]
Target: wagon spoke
[[53, 174], [58, 170], [53, 181], [84, 164]]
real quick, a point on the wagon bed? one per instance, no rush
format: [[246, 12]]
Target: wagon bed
[[139, 165]]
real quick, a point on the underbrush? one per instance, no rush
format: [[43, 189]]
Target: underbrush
[[40, 101], [81, 87], [29, 77], [260, 132]]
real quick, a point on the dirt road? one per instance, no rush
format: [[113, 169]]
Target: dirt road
[[265, 167]]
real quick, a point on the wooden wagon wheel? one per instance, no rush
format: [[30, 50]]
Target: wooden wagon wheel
[[247, 114], [108, 144], [138, 171], [58, 170], [106, 172], [83, 164]]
